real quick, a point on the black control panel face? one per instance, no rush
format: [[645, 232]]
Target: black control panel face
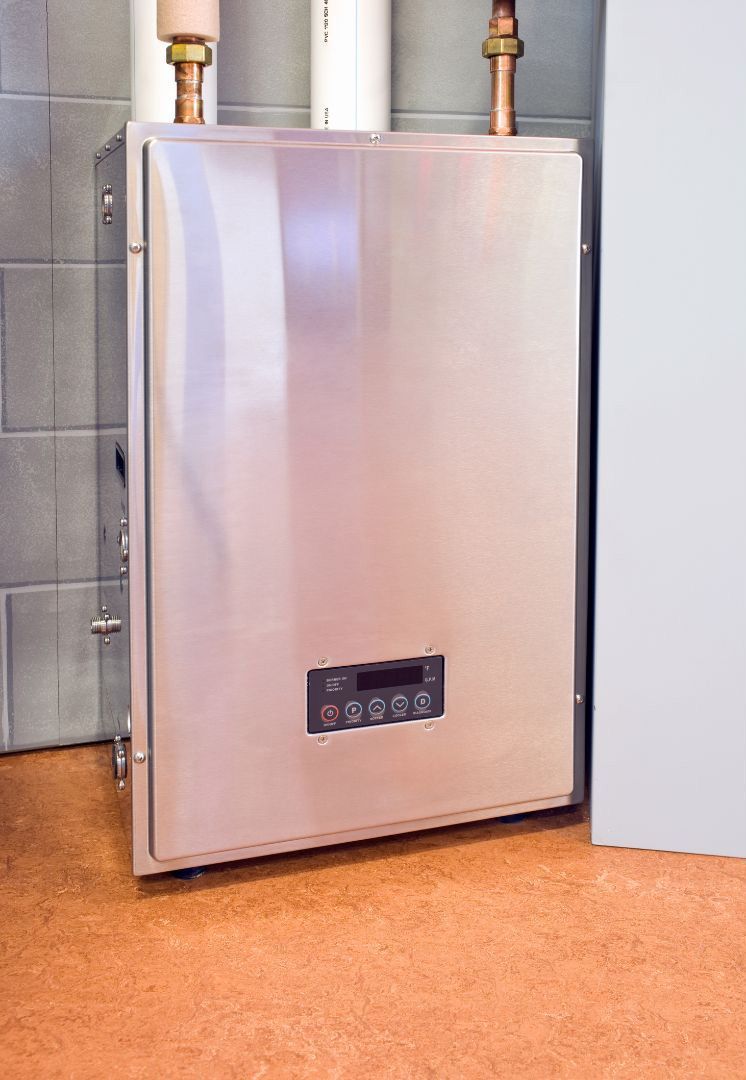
[[366, 695]]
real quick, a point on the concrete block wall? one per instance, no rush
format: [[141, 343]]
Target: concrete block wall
[[64, 89]]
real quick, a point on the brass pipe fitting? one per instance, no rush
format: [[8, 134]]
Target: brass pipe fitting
[[503, 48], [189, 57]]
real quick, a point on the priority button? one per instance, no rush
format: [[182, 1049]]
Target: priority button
[[329, 714], [353, 709]]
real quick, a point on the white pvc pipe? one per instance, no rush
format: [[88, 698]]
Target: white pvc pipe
[[153, 86], [351, 64]]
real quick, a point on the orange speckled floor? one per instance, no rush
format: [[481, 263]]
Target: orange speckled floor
[[484, 950]]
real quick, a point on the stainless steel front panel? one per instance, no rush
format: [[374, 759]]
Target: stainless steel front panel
[[356, 436]]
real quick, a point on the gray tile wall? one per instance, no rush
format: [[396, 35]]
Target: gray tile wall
[[64, 89]]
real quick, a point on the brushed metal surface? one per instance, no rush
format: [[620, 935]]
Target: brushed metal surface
[[353, 452]]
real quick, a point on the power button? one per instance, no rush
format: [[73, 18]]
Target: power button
[[329, 713]]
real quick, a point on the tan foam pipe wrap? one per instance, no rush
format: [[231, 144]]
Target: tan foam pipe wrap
[[189, 19]]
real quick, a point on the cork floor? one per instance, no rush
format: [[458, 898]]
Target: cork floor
[[485, 950]]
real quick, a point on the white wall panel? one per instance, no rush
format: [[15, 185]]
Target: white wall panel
[[670, 654]]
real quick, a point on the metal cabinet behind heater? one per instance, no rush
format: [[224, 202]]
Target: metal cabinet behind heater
[[343, 519]]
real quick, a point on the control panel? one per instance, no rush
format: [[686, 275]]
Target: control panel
[[364, 695]]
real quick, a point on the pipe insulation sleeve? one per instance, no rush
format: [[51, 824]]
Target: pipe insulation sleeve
[[189, 18], [152, 78], [351, 64]]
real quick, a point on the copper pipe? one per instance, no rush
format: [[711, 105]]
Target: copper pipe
[[189, 57], [503, 48], [189, 103], [502, 101]]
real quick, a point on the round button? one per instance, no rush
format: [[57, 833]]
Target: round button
[[329, 713], [400, 703], [353, 709], [376, 707], [422, 701]]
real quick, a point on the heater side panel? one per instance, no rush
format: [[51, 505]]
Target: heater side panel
[[112, 459]]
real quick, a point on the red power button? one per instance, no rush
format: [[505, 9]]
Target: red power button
[[329, 714]]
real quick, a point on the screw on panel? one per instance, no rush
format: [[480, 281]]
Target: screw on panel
[[323, 740], [429, 725], [429, 650], [135, 248], [323, 661], [119, 138], [585, 248], [121, 785], [107, 640], [139, 757], [104, 609], [375, 138], [579, 699]]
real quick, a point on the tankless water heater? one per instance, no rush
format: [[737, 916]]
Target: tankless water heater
[[344, 514]]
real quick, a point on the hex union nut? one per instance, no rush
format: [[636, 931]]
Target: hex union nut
[[502, 46], [504, 26], [182, 52]]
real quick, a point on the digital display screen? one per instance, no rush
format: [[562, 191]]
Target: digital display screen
[[387, 678]]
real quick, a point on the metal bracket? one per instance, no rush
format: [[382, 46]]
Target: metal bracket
[[107, 204], [106, 625], [123, 541], [119, 762]]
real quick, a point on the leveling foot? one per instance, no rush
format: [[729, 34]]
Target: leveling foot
[[189, 873]]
